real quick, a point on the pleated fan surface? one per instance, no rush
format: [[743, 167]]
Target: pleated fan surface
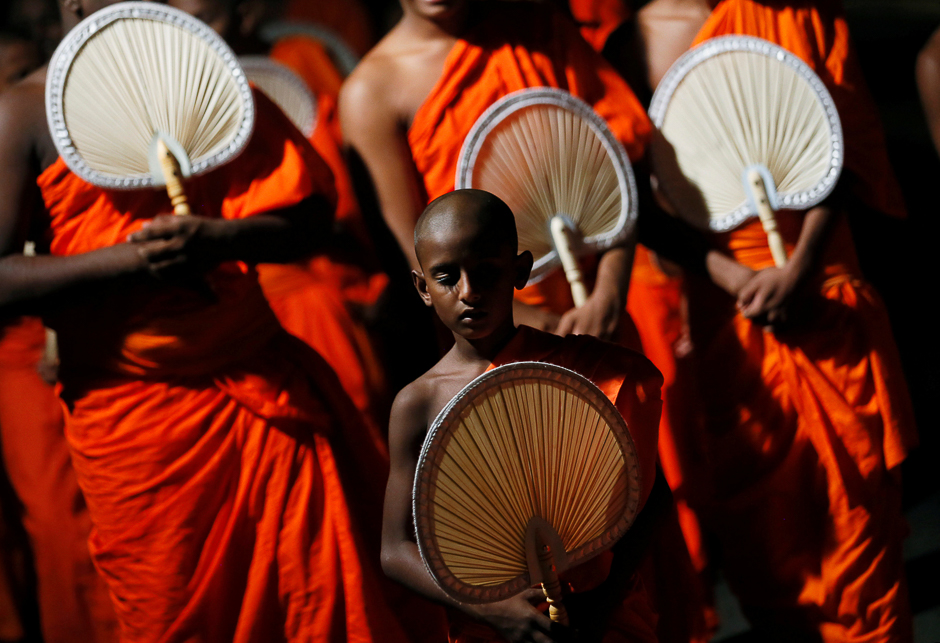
[[287, 90]]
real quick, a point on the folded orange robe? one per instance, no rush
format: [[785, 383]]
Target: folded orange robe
[[496, 58], [599, 18], [633, 384], [212, 447], [806, 427], [313, 300], [72, 597]]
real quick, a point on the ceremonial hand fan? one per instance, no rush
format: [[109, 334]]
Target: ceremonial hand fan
[[528, 471], [560, 170], [285, 88], [746, 128], [140, 94]]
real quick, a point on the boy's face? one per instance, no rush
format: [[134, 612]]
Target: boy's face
[[435, 10], [469, 275]]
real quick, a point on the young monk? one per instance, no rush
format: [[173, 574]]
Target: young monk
[[928, 84], [73, 600], [208, 442], [807, 414], [468, 267]]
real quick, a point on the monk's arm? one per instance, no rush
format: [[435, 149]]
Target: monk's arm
[[516, 619], [928, 83], [277, 236], [26, 281], [376, 136], [764, 298]]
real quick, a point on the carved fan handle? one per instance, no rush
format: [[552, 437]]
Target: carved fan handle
[[767, 218], [551, 585], [568, 261], [173, 177]]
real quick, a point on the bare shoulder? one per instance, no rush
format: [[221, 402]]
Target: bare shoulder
[[23, 111], [410, 418], [368, 92]]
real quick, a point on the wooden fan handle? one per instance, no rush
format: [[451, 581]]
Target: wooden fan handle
[[568, 261], [767, 218], [173, 177], [551, 585]]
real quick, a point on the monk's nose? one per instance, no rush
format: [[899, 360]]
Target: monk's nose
[[468, 293]]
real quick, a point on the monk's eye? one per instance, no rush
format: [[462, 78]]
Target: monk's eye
[[447, 279]]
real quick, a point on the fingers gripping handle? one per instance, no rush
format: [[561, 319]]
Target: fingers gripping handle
[[568, 261], [765, 212], [173, 177], [551, 585]]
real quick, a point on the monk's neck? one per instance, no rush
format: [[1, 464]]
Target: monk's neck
[[485, 349]]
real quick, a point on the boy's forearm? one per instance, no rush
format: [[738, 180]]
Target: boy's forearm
[[613, 273]]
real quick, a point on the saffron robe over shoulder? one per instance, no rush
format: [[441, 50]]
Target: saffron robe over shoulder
[[210, 445], [807, 425], [496, 58], [633, 384]]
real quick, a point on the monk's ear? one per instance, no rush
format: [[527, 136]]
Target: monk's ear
[[421, 285], [523, 268]]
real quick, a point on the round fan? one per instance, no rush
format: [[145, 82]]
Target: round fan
[[745, 128], [138, 77], [558, 167], [341, 53], [528, 471], [285, 88]]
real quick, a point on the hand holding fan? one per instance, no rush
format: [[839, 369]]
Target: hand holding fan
[[746, 128], [528, 471], [558, 167], [140, 94]]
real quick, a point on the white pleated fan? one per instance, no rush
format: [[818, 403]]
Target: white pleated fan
[[136, 74], [746, 128], [530, 466], [560, 170], [285, 88]]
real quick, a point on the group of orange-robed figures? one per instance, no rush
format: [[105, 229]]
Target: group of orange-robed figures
[[216, 471]]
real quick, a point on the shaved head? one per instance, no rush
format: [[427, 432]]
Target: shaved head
[[483, 213]]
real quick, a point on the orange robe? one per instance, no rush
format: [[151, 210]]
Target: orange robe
[[494, 59], [210, 444], [313, 299], [348, 19], [72, 597], [633, 384], [599, 18], [806, 427]]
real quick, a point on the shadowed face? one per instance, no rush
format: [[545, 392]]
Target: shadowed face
[[469, 268], [217, 15]]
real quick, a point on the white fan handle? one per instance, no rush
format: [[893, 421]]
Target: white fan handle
[[767, 218], [568, 262], [171, 175]]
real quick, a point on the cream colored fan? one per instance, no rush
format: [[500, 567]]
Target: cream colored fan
[[558, 167], [746, 128], [341, 53], [139, 94], [285, 88], [528, 471]]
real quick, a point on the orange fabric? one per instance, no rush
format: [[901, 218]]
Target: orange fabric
[[599, 18], [209, 444], [633, 384], [348, 19], [310, 300], [72, 597], [817, 32], [496, 58], [805, 428]]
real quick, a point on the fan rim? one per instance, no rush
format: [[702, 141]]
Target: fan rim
[[534, 96], [713, 47], [259, 62], [345, 56], [433, 448], [75, 40]]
